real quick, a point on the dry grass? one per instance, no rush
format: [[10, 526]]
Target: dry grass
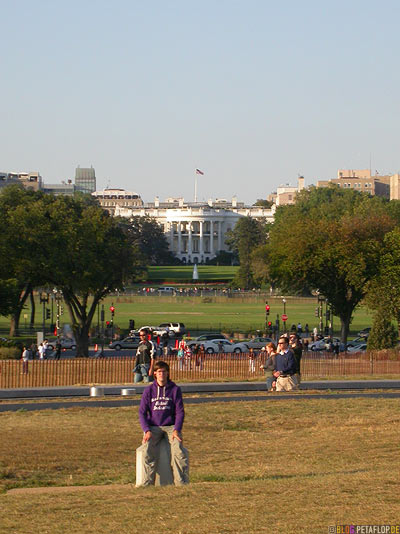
[[255, 467]]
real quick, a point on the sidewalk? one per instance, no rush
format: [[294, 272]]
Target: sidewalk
[[196, 387]]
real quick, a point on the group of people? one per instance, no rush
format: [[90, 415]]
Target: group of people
[[282, 365], [40, 352]]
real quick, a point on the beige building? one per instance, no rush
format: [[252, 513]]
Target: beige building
[[110, 199], [362, 181], [28, 180], [286, 194]]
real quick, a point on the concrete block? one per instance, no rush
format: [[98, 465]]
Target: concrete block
[[96, 391], [164, 474]]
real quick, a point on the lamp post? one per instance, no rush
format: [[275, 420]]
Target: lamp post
[[284, 314], [44, 299], [58, 299]]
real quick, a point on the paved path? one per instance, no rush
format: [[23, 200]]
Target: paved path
[[267, 397], [195, 387]]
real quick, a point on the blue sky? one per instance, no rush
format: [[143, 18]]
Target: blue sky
[[252, 92]]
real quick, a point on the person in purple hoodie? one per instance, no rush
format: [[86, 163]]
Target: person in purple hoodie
[[161, 414]]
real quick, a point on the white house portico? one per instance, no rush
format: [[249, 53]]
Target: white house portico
[[196, 231]]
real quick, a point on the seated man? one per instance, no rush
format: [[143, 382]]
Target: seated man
[[285, 365], [161, 414]]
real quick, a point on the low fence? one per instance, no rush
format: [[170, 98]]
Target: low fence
[[81, 371]]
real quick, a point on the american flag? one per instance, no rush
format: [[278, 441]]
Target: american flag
[[198, 171]]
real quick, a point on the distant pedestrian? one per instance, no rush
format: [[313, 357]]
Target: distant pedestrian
[[269, 366], [252, 360], [58, 350], [336, 349], [25, 360], [41, 351]]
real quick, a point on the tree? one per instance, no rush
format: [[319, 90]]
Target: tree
[[263, 203], [86, 255], [330, 241], [149, 237], [244, 238], [384, 291], [383, 334], [20, 252]]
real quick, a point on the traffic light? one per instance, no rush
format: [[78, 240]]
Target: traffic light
[[267, 308], [107, 324], [102, 316], [112, 309], [316, 312], [269, 324], [131, 324], [47, 313], [61, 310]]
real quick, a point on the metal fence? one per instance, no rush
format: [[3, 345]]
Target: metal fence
[[81, 371]]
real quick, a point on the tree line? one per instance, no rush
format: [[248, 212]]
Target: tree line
[[341, 243], [73, 245]]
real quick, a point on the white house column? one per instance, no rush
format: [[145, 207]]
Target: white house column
[[219, 235], [190, 239], [211, 237], [201, 244], [171, 236], [179, 238]]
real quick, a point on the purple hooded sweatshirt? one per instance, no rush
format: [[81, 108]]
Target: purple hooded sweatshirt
[[161, 406]]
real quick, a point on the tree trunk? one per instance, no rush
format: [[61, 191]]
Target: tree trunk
[[81, 333], [15, 316], [32, 320]]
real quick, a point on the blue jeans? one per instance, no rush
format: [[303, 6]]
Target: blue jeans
[[141, 373]]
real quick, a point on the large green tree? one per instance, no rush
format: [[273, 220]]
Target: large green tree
[[247, 234], [20, 252], [384, 291], [65, 242], [87, 254], [149, 238], [330, 241]]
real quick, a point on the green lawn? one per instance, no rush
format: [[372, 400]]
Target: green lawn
[[205, 313], [207, 273]]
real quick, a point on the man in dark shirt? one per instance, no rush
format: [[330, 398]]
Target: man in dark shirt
[[144, 358], [297, 349], [285, 365]]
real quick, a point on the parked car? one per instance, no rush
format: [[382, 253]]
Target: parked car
[[130, 342], [258, 342], [362, 347], [166, 290], [221, 345], [323, 344], [208, 336], [66, 343], [174, 329], [356, 341], [364, 333]]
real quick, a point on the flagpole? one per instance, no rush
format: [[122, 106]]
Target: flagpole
[[195, 186]]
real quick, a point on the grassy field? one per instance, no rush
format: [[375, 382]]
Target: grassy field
[[210, 313], [281, 467], [207, 273]]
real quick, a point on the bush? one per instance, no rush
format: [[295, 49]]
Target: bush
[[10, 353], [383, 334]]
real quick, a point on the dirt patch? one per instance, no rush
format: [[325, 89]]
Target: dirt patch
[[65, 489]]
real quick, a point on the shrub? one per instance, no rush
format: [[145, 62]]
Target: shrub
[[10, 353]]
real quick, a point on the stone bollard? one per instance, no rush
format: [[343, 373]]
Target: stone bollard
[[96, 391], [127, 392], [164, 474]]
